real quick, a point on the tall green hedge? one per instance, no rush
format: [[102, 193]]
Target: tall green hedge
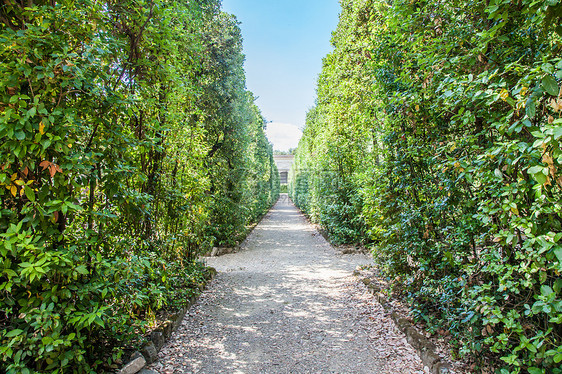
[[436, 139], [128, 146]]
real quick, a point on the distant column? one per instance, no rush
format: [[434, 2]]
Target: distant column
[[284, 163]]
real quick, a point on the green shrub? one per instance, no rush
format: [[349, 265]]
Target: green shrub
[[447, 115], [108, 155]]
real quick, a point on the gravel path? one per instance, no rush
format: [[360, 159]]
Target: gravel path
[[287, 303]]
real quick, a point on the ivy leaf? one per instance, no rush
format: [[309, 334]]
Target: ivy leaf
[[549, 84]]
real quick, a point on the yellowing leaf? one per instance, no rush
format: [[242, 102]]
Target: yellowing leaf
[[13, 190], [42, 128], [504, 94], [556, 104]]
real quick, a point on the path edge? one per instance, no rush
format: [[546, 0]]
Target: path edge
[[424, 347], [158, 338]]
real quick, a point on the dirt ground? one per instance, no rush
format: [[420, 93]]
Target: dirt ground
[[287, 303]]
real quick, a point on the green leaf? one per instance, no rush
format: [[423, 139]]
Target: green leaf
[[10, 273], [558, 253], [549, 84], [558, 285], [538, 174], [557, 132], [540, 178], [81, 269], [530, 108], [535, 169], [14, 332], [533, 370], [99, 321], [29, 193], [20, 135], [546, 290]]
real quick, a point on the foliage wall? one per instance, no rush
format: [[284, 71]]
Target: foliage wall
[[129, 146], [436, 139]]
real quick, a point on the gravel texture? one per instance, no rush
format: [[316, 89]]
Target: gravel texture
[[287, 303]]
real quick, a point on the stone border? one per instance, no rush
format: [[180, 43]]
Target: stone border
[[149, 351], [425, 348]]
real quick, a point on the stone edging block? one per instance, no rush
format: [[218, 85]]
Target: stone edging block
[[426, 349], [157, 339]]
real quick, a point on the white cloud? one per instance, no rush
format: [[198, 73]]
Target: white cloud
[[283, 135]]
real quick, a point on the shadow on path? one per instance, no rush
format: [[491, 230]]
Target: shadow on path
[[285, 303]]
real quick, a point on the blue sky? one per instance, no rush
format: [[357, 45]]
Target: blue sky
[[284, 43]]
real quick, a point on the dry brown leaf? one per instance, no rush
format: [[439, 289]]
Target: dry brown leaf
[[45, 164]]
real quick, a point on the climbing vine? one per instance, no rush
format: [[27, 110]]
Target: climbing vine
[[126, 133], [435, 140]]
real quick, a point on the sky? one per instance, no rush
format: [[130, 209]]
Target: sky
[[284, 43]]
